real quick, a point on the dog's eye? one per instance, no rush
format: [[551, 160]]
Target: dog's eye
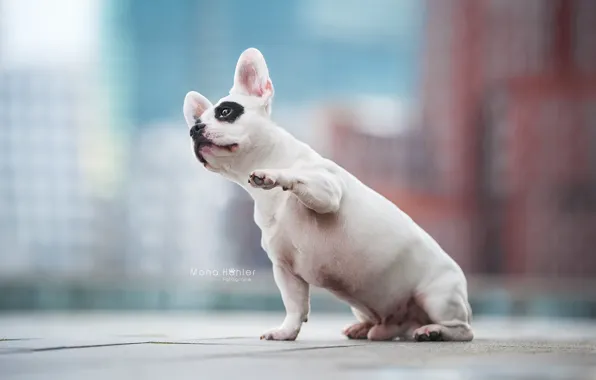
[[225, 112], [228, 112]]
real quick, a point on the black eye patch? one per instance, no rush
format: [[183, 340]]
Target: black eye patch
[[228, 111]]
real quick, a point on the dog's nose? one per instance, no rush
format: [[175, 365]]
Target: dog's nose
[[197, 129]]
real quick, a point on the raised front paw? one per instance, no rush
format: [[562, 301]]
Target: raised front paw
[[280, 334], [263, 179]]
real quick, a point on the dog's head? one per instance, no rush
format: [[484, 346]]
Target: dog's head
[[227, 133]]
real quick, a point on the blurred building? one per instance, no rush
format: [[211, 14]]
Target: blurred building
[[174, 209], [48, 111], [46, 213]]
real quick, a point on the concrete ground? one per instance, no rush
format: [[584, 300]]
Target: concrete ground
[[181, 346]]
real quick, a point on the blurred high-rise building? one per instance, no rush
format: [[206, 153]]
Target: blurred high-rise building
[[45, 107], [45, 211]]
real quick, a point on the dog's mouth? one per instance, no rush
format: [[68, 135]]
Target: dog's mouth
[[203, 145]]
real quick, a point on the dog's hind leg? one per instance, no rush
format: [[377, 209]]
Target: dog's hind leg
[[368, 328], [451, 315]]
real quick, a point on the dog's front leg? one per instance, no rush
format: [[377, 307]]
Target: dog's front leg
[[295, 296], [317, 189]]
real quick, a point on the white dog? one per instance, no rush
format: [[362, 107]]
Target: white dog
[[321, 226]]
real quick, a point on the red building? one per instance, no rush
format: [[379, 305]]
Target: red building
[[502, 170]]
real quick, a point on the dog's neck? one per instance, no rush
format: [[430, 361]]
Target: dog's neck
[[280, 150]]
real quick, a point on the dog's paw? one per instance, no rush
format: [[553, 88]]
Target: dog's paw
[[357, 330], [263, 180], [429, 333], [280, 334]]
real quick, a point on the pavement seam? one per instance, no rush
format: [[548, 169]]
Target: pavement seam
[[59, 348], [261, 353], [76, 347], [14, 339]]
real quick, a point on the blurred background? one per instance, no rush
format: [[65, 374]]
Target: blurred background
[[477, 117]]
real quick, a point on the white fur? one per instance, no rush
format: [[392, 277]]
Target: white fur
[[328, 229]]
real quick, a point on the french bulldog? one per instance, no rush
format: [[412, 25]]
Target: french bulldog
[[323, 227]]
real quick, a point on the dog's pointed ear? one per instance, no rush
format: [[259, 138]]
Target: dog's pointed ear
[[194, 106], [252, 76]]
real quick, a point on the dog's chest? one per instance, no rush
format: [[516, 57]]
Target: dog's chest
[[287, 227], [313, 246]]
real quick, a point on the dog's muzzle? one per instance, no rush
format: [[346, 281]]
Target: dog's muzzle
[[197, 131]]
